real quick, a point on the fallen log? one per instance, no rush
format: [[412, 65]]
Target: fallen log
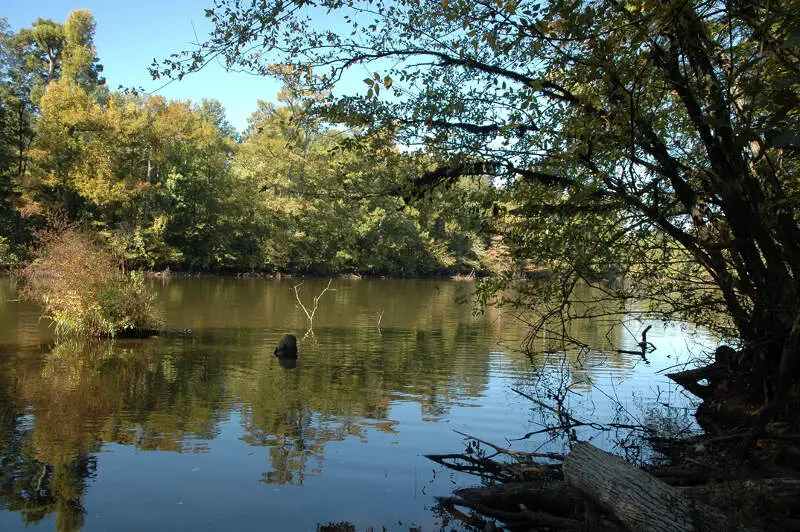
[[640, 501], [523, 519], [554, 496], [594, 490]]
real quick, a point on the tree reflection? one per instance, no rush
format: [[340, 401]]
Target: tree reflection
[[58, 407]]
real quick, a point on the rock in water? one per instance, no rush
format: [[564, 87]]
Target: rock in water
[[287, 346]]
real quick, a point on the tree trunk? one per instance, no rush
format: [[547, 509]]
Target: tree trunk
[[147, 194], [638, 500]]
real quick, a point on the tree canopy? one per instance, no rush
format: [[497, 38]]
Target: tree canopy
[[171, 184]]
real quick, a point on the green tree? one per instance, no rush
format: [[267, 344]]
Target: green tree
[[70, 116], [18, 78], [39, 48], [662, 135], [330, 199]]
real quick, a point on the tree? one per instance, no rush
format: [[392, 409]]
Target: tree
[[662, 135], [70, 114], [40, 46], [80, 63]]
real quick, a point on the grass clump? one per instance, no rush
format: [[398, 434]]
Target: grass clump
[[83, 289]]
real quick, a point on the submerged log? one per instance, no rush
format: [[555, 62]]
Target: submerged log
[[639, 500], [520, 519], [147, 333], [552, 496]]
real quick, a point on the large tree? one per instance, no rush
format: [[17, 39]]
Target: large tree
[[654, 138]]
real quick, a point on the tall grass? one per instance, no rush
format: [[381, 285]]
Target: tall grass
[[84, 291]]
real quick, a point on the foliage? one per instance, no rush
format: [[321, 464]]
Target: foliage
[[82, 289], [172, 184], [332, 200], [653, 139]]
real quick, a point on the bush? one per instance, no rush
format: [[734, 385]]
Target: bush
[[84, 291]]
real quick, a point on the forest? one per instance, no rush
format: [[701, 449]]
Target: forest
[[170, 184]]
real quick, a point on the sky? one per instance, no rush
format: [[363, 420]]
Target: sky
[[130, 34]]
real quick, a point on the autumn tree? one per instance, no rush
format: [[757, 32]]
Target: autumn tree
[[652, 139]]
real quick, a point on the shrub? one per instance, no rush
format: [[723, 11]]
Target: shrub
[[83, 289]]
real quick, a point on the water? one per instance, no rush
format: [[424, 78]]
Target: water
[[211, 432]]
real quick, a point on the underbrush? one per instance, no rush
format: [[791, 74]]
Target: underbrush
[[83, 289]]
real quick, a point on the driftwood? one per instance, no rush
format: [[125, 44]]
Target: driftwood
[[638, 500], [642, 502], [600, 491]]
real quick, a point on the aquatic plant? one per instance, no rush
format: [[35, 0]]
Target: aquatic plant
[[84, 290]]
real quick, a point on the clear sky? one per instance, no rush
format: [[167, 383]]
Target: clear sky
[[130, 34]]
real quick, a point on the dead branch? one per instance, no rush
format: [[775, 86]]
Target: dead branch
[[520, 519], [509, 452], [690, 378], [310, 314], [482, 467]]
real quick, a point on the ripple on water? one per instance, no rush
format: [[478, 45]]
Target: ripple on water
[[211, 430]]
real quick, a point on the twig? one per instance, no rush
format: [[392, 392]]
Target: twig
[[568, 422], [380, 317], [509, 452], [310, 315]]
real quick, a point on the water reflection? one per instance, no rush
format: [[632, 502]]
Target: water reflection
[[62, 406]]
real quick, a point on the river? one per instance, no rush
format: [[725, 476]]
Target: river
[[209, 431]]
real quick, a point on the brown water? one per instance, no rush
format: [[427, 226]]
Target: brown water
[[211, 432]]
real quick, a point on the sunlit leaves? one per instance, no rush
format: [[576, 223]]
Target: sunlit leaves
[[375, 83], [642, 110]]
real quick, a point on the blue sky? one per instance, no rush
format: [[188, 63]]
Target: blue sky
[[131, 33]]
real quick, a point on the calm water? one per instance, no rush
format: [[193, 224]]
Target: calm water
[[210, 432]]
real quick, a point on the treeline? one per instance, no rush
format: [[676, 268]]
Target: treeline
[[172, 184]]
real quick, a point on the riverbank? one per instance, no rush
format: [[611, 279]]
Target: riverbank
[[167, 273], [729, 477], [705, 485]]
